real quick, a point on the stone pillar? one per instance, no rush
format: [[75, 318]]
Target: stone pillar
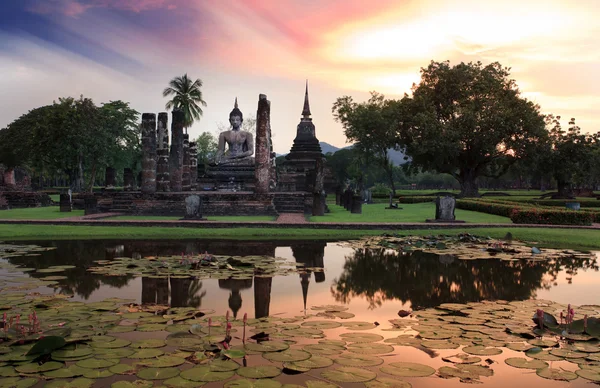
[[193, 147], [338, 195], [128, 181], [162, 153], [356, 206], [9, 177], [318, 208], [176, 155], [110, 178], [262, 152], [148, 184], [185, 168], [347, 199], [65, 203], [90, 205]]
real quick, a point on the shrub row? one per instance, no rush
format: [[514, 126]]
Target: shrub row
[[551, 216], [416, 199]]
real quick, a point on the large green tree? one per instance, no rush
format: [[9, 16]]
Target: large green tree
[[370, 125], [468, 120], [187, 96], [70, 137]]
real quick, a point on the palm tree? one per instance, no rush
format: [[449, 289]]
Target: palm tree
[[186, 96]]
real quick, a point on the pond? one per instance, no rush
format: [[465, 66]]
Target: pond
[[317, 295]]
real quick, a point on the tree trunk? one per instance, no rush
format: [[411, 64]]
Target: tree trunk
[[92, 179], [565, 190], [389, 169], [469, 187]]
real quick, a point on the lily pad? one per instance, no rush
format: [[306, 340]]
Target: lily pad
[[260, 383], [386, 382], [267, 346], [407, 369], [322, 324], [370, 348], [361, 337], [80, 382], [97, 374], [146, 353], [325, 350], [163, 362], [95, 363], [148, 343], [18, 382], [259, 372], [36, 368], [589, 374], [523, 363], [556, 374], [349, 375], [204, 373], [181, 382], [288, 355], [361, 360], [482, 350], [462, 358], [314, 362], [157, 373], [359, 325], [132, 384], [122, 369]]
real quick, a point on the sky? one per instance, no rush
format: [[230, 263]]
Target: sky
[[129, 50]]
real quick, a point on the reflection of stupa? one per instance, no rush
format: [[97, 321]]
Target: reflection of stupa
[[311, 255], [235, 298]]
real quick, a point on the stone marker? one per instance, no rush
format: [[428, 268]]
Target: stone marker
[[193, 150], [90, 204], [193, 207], [444, 210], [338, 195], [110, 180], [128, 180], [318, 207], [162, 154], [185, 168], [65, 203]]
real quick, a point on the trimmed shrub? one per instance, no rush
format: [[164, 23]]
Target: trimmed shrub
[[550, 216], [416, 199]]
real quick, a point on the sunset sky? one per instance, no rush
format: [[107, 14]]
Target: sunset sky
[[130, 49]]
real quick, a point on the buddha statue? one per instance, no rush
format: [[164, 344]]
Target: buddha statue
[[240, 143]]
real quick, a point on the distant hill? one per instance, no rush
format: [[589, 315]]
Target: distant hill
[[397, 157]]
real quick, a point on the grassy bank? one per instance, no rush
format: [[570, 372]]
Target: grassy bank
[[414, 212], [558, 238], [38, 213], [209, 218]]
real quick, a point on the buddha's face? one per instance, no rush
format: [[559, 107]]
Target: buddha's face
[[235, 121]]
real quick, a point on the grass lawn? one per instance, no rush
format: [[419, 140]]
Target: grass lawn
[[55, 197], [557, 238], [209, 218], [37, 213], [416, 212]]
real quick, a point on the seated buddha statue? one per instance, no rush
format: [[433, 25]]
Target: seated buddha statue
[[240, 144]]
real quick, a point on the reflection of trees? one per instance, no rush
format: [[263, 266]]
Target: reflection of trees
[[427, 280], [81, 254], [186, 292]]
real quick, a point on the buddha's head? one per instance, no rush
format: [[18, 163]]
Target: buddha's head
[[236, 117]]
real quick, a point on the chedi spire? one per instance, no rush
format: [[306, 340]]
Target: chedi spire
[[306, 108]]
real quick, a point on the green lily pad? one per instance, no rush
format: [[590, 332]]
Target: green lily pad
[[47, 345], [322, 324], [122, 369], [132, 384], [407, 369], [519, 346], [519, 362], [80, 382], [118, 343], [556, 374], [482, 350], [8, 371], [370, 348], [157, 373], [18, 382], [361, 337], [325, 350], [204, 373], [66, 373], [113, 353], [163, 362], [589, 374], [462, 358], [386, 382], [146, 353], [95, 363], [361, 360], [150, 327], [148, 343], [260, 383], [348, 374], [542, 343], [181, 382], [314, 362], [223, 366], [267, 346], [332, 342], [234, 353], [542, 355], [97, 374], [259, 372], [288, 355], [77, 354], [36, 368], [359, 325], [567, 353], [319, 384], [465, 372]]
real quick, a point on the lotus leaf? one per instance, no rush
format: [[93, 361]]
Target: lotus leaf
[[519, 362], [95, 363], [542, 343], [319, 384], [386, 382], [326, 350], [407, 369], [97, 374], [122, 369], [314, 362], [462, 358], [361, 337], [482, 350], [359, 325], [267, 346], [113, 353], [245, 383], [163, 362], [349, 375], [181, 382], [118, 343], [80, 382], [542, 355], [132, 384], [288, 355], [18, 382], [589, 374], [259, 372], [556, 374], [204, 373], [223, 365], [370, 348], [36, 368], [157, 373], [146, 353], [47, 345], [65, 373], [322, 324]]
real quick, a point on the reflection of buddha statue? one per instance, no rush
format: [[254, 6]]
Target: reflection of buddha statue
[[240, 143]]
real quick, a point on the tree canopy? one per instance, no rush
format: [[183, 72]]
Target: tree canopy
[[187, 96], [70, 136], [469, 120]]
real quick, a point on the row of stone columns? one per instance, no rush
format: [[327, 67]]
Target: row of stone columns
[[163, 169]]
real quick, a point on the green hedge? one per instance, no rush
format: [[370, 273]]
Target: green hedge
[[587, 202], [416, 199], [551, 216], [498, 208]]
